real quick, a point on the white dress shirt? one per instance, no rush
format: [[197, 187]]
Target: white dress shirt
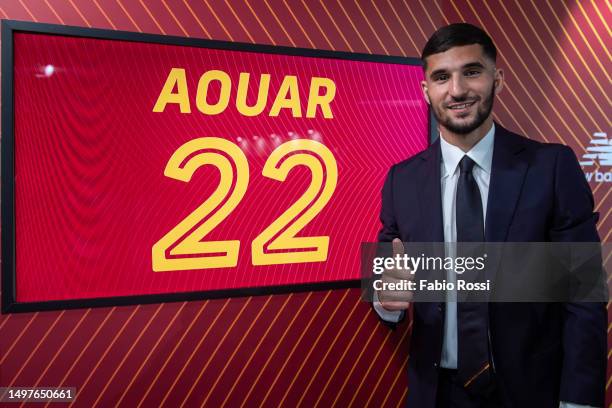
[[482, 155]]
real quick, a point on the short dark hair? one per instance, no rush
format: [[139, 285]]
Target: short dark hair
[[456, 35]]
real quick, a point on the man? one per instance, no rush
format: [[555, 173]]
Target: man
[[481, 182]]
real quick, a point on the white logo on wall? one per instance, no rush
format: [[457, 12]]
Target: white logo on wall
[[598, 152]]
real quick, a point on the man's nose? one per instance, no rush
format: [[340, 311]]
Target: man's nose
[[457, 88]]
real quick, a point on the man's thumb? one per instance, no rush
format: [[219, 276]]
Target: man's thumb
[[398, 247]]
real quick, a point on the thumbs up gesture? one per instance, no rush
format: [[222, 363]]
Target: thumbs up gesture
[[395, 299]]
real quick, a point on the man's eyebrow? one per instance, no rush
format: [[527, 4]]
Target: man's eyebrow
[[438, 71], [474, 64]]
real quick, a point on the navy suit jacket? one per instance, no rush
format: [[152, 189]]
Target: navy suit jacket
[[543, 352]]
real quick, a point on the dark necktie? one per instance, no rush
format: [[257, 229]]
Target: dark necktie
[[474, 369]]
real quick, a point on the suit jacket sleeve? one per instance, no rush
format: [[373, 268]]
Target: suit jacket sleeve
[[585, 327], [389, 229]]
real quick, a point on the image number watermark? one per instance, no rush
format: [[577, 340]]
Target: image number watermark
[[37, 394]]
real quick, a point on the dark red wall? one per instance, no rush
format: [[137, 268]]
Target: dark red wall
[[321, 348]]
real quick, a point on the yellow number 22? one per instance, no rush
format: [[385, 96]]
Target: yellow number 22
[[184, 242]]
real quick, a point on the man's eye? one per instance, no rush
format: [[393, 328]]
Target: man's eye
[[441, 78], [472, 73]]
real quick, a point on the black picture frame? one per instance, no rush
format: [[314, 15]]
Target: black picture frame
[[9, 27]]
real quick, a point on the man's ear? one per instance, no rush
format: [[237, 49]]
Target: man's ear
[[498, 82], [425, 95]]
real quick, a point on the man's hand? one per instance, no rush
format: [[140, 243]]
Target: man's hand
[[395, 299]]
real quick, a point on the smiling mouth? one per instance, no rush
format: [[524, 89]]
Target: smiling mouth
[[459, 106]]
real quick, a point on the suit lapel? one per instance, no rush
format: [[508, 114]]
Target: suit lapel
[[430, 194], [507, 175]]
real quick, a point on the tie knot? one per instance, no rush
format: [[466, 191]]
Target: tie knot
[[466, 164]]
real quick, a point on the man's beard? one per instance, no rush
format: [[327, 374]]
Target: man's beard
[[482, 114]]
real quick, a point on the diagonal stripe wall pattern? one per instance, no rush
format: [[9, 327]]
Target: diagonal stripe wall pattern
[[320, 348]]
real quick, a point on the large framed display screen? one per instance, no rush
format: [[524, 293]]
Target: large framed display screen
[[140, 168]]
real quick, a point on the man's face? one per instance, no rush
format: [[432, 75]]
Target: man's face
[[460, 85]]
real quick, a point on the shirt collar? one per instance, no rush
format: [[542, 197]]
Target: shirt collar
[[481, 153]]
